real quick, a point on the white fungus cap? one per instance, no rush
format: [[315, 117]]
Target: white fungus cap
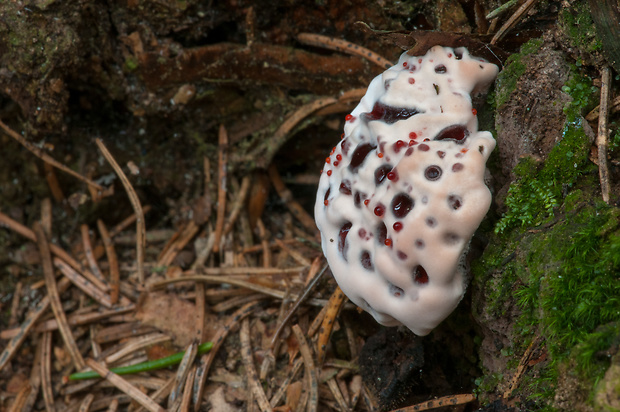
[[402, 194]]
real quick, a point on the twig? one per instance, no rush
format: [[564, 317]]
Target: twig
[[22, 397], [316, 276], [262, 234], [287, 197], [310, 369], [88, 252], [240, 199], [343, 46], [601, 138], [35, 378], [207, 360], [294, 369], [54, 297], [45, 157], [56, 250], [333, 307], [125, 386], [521, 367], [87, 402], [73, 319], [335, 390], [182, 372], [125, 223], [186, 234], [79, 281], [137, 207], [136, 344], [33, 316], [512, 21], [451, 400], [46, 371], [263, 159], [248, 363], [115, 276], [222, 161], [501, 9], [17, 296]]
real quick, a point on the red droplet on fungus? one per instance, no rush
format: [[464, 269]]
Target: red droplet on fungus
[[339, 156], [380, 155], [388, 242], [380, 210], [413, 135], [392, 175], [348, 117], [336, 163], [474, 111], [411, 80], [398, 226], [329, 173], [328, 160], [366, 201], [326, 202]]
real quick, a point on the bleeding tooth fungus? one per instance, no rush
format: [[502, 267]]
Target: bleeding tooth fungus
[[404, 265]]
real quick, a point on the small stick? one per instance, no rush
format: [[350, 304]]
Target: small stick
[[182, 372], [336, 301], [125, 386], [79, 281], [343, 46], [33, 316], [207, 360], [310, 369], [451, 400], [129, 220], [337, 393], [46, 216], [275, 399], [22, 397], [280, 135], [299, 257], [137, 344], [137, 207], [240, 199], [287, 197], [73, 319], [87, 402], [88, 252], [601, 138], [159, 395], [35, 378], [186, 234], [54, 185], [316, 276], [248, 363], [142, 367], [54, 297], [56, 250], [512, 21], [222, 161], [46, 371], [187, 390], [262, 233], [201, 307], [115, 276], [45, 157], [17, 296]]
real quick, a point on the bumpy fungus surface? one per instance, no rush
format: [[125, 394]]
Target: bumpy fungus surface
[[403, 192]]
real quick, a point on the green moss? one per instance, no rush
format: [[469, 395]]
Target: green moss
[[515, 67], [564, 280], [576, 22], [538, 191]]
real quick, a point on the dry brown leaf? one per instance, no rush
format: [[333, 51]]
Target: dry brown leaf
[[170, 314]]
